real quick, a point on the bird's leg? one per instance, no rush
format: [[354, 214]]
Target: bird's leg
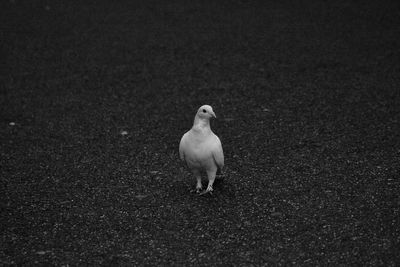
[[199, 186], [211, 179], [209, 187]]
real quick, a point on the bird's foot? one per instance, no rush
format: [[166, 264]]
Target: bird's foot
[[209, 190], [197, 190]]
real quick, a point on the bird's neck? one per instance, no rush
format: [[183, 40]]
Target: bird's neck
[[201, 125]]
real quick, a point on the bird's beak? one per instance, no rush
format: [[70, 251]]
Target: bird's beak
[[213, 114]]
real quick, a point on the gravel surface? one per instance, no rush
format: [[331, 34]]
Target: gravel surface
[[96, 96]]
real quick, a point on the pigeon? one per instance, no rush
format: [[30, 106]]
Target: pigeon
[[201, 149]]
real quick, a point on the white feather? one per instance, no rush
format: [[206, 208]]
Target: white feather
[[201, 149]]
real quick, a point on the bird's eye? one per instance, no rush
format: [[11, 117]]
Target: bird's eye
[[204, 111]]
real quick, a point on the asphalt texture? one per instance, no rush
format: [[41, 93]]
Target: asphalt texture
[[96, 96]]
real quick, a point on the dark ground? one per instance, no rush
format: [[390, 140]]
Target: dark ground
[[308, 104]]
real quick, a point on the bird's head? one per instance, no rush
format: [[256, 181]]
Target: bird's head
[[206, 112]]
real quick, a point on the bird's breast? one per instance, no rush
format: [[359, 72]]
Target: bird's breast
[[198, 155]]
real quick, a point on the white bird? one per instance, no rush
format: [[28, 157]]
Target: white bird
[[202, 149]]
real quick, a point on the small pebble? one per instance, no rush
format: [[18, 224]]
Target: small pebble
[[140, 197], [12, 123], [124, 133]]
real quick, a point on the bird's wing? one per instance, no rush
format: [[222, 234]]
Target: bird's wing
[[182, 147], [218, 153]]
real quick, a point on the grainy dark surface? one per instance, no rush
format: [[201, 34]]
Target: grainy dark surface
[[308, 102]]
